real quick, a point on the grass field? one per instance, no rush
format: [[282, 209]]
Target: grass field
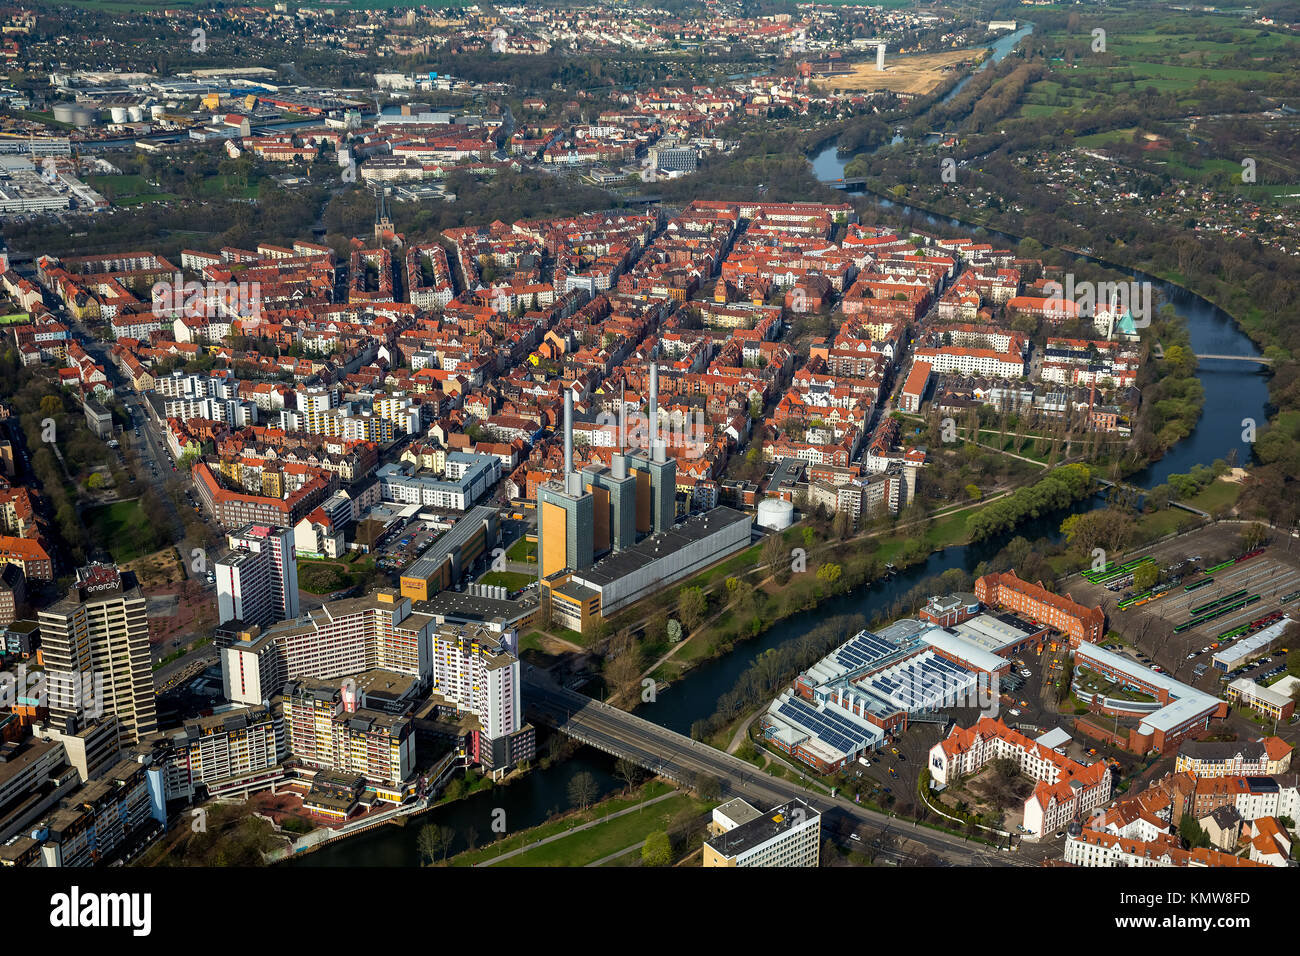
[[110, 526], [222, 186], [1110, 136], [511, 580], [902, 74], [522, 550], [514, 841], [596, 843], [128, 190]]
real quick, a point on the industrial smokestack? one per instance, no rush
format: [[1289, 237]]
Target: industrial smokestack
[[654, 405], [622, 413], [568, 433], [880, 56]]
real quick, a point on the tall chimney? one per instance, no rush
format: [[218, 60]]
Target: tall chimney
[[568, 433], [654, 405], [622, 413]]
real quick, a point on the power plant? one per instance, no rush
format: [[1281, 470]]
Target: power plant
[[607, 537]]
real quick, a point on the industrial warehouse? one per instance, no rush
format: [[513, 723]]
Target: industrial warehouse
[[876, 683], [625, 577]]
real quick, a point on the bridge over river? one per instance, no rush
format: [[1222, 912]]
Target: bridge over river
[[683, 760], [1257, 359]]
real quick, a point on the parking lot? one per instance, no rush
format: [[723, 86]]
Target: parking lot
[[1149, 629], [403, 544]]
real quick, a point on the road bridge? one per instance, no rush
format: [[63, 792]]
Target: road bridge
[[1256, 359], [683, 760]]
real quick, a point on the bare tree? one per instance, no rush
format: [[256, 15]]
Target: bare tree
[[583, 790], [629, 772]]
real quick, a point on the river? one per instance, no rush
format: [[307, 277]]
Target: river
[[1233, 391]]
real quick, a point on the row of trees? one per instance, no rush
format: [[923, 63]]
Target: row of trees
[[1057, 489]]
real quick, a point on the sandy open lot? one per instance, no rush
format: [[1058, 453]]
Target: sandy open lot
[[917, 74]]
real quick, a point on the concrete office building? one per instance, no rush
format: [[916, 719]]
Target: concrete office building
[[789, 835], [476, 671], [96, 650], [232, 753], [330, 729], [468, 478], [91, 749], [93, 824]]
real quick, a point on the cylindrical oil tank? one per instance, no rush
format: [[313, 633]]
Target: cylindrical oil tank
[[73, 113], [775, 513]]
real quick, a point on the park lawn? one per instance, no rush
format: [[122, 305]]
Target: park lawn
[[110, 527], [1220, 494], [128, 190], [320, 577], [510, 580], [648, 791], [610, 836], [220, 185], [522, 550], [698, 646], [947, 530], [1166, 521]]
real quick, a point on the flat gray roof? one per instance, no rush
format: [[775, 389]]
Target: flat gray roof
[[695, 528], [428, 563]]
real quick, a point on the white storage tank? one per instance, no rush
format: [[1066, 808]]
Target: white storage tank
[[73, 113], [775, 514], [157, 110], [135, 113], [118, 114]]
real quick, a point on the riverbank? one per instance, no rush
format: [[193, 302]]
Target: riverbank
[[860, 561], [609, 827]]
